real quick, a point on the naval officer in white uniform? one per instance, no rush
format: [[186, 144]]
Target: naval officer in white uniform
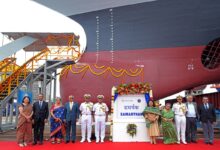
[[86, 118], [180, 110], [100, 113]]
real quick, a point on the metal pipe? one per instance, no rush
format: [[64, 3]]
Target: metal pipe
[[6, 113], [55, 84], [1, 115], [16, 112], [45, 80], [11, 112], [51, 78]]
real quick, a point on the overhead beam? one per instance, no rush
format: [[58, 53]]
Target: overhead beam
[[10, 48], [56, 64]]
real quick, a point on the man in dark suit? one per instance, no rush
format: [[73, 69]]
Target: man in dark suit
[[191, 120], [40, 116], [71, 117], [208, 118]]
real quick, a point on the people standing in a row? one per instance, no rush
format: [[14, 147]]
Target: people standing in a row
[[70, 114], [208, 118], [180, 110], [40, 117], [205, 113]]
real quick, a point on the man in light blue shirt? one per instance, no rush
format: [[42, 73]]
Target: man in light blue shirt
[[191, 119]]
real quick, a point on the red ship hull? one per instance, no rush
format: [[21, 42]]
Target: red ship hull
[[169, 70]]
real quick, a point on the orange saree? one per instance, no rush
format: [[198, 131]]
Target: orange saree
[[24, 126]]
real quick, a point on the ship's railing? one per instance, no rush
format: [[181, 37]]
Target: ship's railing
[[7, 66]]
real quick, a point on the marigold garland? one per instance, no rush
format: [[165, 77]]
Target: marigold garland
[[101, 70]]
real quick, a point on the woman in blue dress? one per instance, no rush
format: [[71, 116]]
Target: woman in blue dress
[[57, 121]]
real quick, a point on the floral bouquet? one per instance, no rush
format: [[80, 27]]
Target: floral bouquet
[[132, 129], [89, 106], [183, 109], [103, 108]]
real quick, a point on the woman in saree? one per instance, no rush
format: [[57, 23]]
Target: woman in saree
[[169, 132], [24, 126], [57, 121], [151, 114]]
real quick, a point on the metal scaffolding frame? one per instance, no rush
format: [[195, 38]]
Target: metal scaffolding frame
[[47, 73], [27, 74]]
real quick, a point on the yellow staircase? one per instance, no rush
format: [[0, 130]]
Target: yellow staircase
[[9, 82], [7, 66], [18, 75]]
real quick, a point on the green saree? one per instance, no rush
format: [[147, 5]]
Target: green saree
[[169, 132]]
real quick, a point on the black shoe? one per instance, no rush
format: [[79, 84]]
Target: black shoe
[[34, 143], [41, 143], [210, 143], [194, 141], [67, 142], [206, 142], [73, 141]]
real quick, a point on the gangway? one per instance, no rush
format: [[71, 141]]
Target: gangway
[[41, 67]]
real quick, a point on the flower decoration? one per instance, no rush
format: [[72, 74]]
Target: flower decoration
[[133, 88], [103, 108], [89, 106], [132, 129]]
